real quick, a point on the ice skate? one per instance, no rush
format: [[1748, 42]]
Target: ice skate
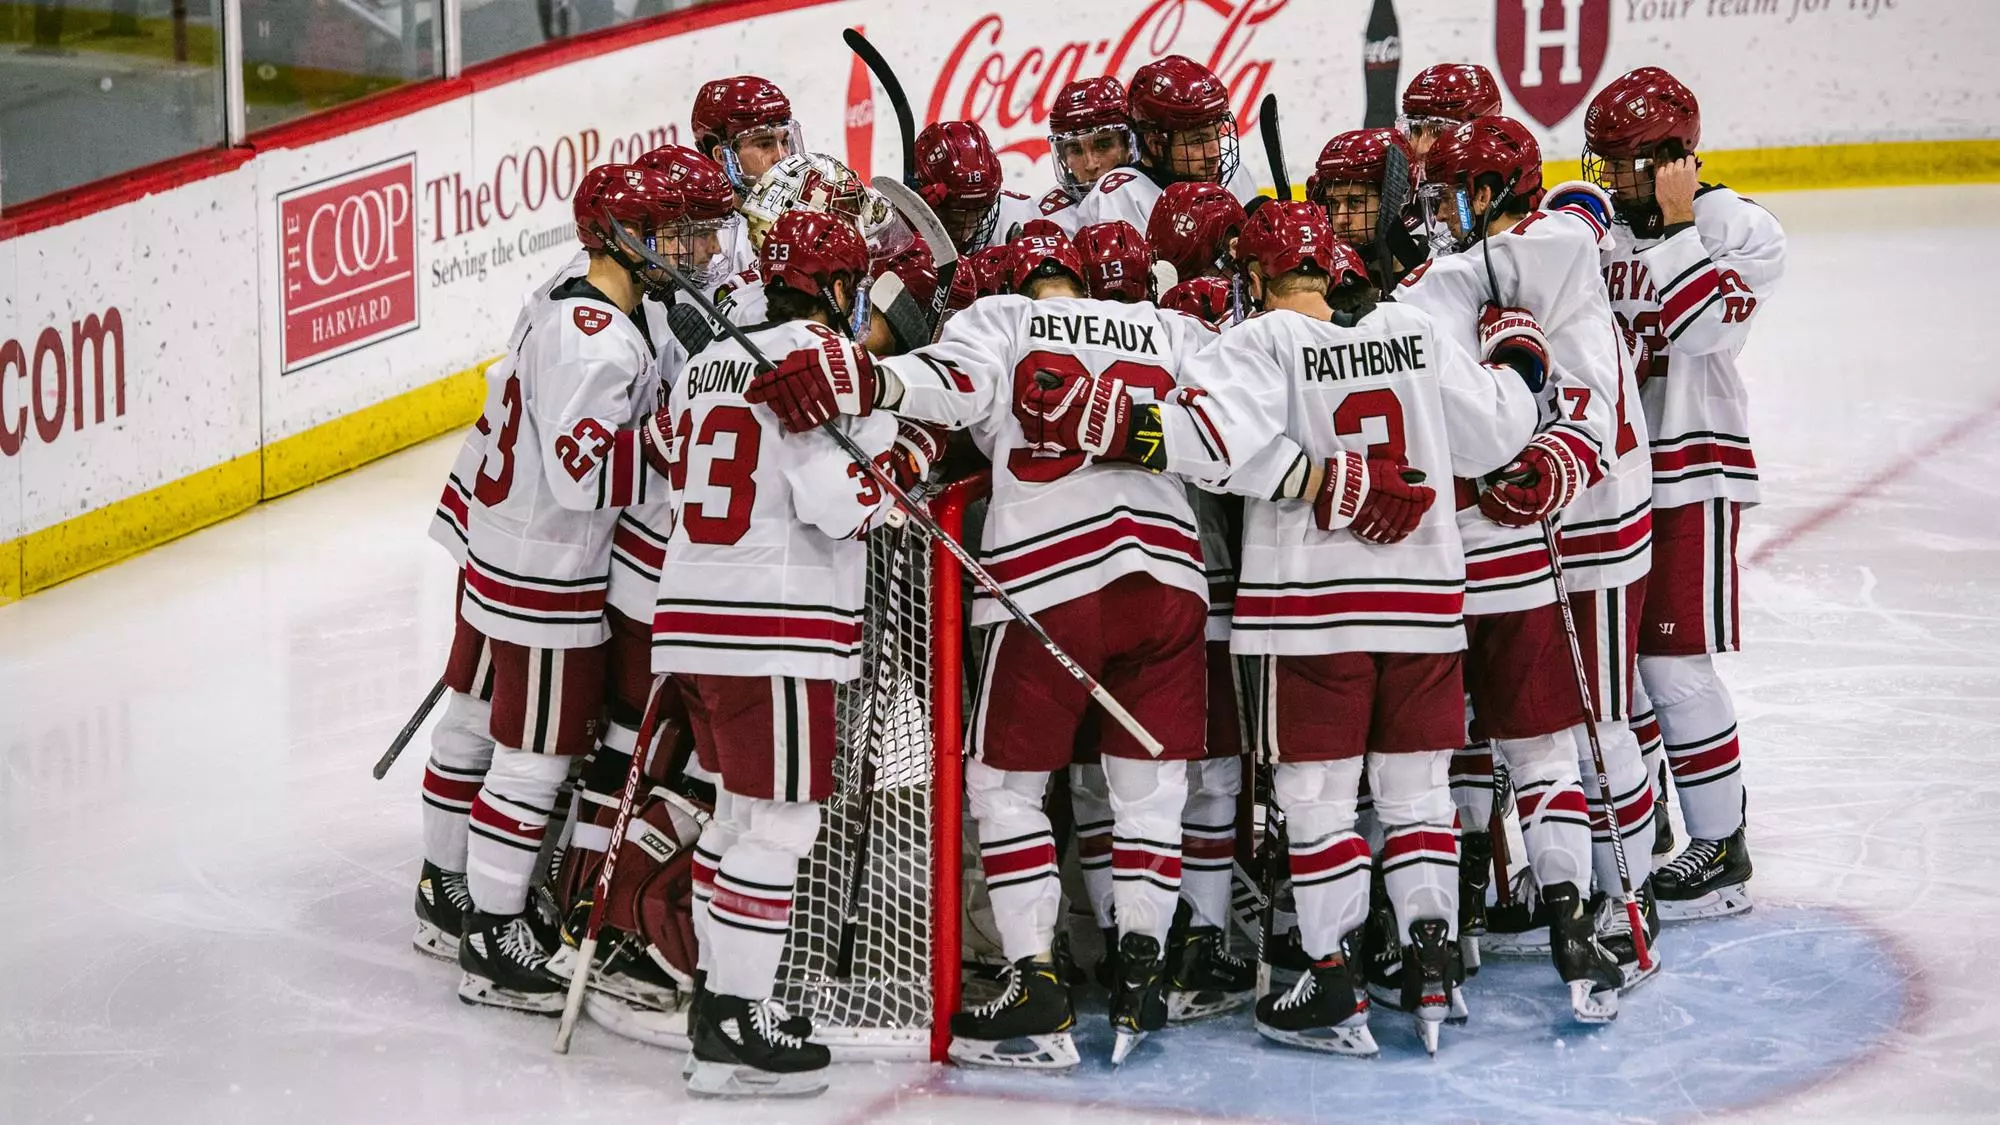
[[1614, 932], [1281, 962], [1028, 1027], [624, 969], [505, 964], [1321, 1012], [1475, 878], [1204, 978], [1106, 971], [1588, 968], [1430, 978], [1378, 952], [1520, 928], [741, 1051], [1711, 879], [442, 903], [1139, 1003]]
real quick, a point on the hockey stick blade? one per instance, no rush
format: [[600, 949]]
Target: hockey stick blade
[[915, 511], [893, 89], [923, 220], [1274, 146], [409, 731]]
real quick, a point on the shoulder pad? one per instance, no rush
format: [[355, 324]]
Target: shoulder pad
[[1012, 194]]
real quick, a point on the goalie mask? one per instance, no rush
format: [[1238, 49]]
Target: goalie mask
[[811, 182]]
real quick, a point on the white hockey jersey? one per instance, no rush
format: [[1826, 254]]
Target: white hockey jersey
[[1059, 207], [1692, 298], [1394, 383], [562, 456], [639, 539], [1130, 194], [1544, 264], [1060, 527], [1606, 534], [765, 573], [1015, 209]]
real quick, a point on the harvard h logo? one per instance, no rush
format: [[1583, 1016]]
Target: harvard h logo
[[1550, 52]]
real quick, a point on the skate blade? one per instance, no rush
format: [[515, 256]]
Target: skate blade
[[1591, 1004], [1029, 1052], [1523, 943], [730, 1080], [1429, 1028], [1187, 1007], [1354, 1041], [1389, 996], [1468, 947], [431, 941], [635, 991], [623, 1018], [477, 990], [1123, 1044], [1715, 904], [1634, 975]]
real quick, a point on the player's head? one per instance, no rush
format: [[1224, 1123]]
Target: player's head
[[1639, 121], [1089, 132], [1180, 113], [1117, 263], [1289, 249], [706, 204], [1209, 299], [813, 264], [981, 273], [1443, 97], [744, 124], [1486, 168], [1045, 265], [639, 200], [899, 302], [958, 174], [807, 181], [1347, 181], [1193, 228]]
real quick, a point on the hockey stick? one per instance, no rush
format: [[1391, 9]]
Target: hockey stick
[[893, 89], [1389, 204], [1274, 146], [409, 730], [1605, 798], [944, 252], [587, 952], [910, 507]]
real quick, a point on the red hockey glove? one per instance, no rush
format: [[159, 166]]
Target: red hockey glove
[[918, 446], [1542, 481], [812, 385], [1380, 500], [1073, 413], [1511, 336], [657, 443]]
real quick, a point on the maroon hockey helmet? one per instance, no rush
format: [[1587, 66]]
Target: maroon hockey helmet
[[981, 273], [704, 188], [1494, 145], [1035, 255], [727, 108], [1453, 92], [1191, 227], [634, 196], [1639, 113], [1088, 104], [1358, 156], [1286, 235], [958, 174], [1088, 118], [1204, 298], [1116, 261], [809, 250], [1177, 96]]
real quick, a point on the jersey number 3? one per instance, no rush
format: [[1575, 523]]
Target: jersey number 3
[[733, 473]]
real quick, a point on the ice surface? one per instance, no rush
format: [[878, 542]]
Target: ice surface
[[208, 899]]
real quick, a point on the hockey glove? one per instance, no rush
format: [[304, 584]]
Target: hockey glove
[[1511, 336], [1078, 413], [812, 386], [1586, 201], [1380, 500], [919, 445], [1540, 482], [657, 442]]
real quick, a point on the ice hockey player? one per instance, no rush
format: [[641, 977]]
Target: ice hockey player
[[1354, 623], [1193, 229], [1180, 114], [1481, 183], [1089, 135], [1689, 267], [1353, 170], [1107, 560], [767, 546], [563, 453], [958, 174], [745, 124], [1441, 98], [807, 181]]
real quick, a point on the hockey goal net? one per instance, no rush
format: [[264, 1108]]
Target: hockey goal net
[[873, 955]]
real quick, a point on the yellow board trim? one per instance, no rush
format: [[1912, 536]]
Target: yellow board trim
[[124, 528]]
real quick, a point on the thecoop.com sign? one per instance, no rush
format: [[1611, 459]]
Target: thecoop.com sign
[[348, 250]]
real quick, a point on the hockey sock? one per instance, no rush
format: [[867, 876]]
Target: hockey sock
[[461, 752], [717, 838], [1698, 724], [1208, 838], [509, 818], [751, 909], [1091, 802], [1017, 854], [1555, 822], [1146, 802], [1472, 786], [1632, 791], [1420, 848], [1329, 859]]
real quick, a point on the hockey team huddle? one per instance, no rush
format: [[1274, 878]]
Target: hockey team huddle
[[1417, 499]]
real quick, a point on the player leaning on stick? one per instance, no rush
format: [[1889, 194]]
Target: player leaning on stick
[[1689, 267], [1104, 553], [1350, 596]]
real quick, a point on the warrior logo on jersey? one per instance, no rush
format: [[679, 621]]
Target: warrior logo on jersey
[[1550, 51], [592, 321]]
